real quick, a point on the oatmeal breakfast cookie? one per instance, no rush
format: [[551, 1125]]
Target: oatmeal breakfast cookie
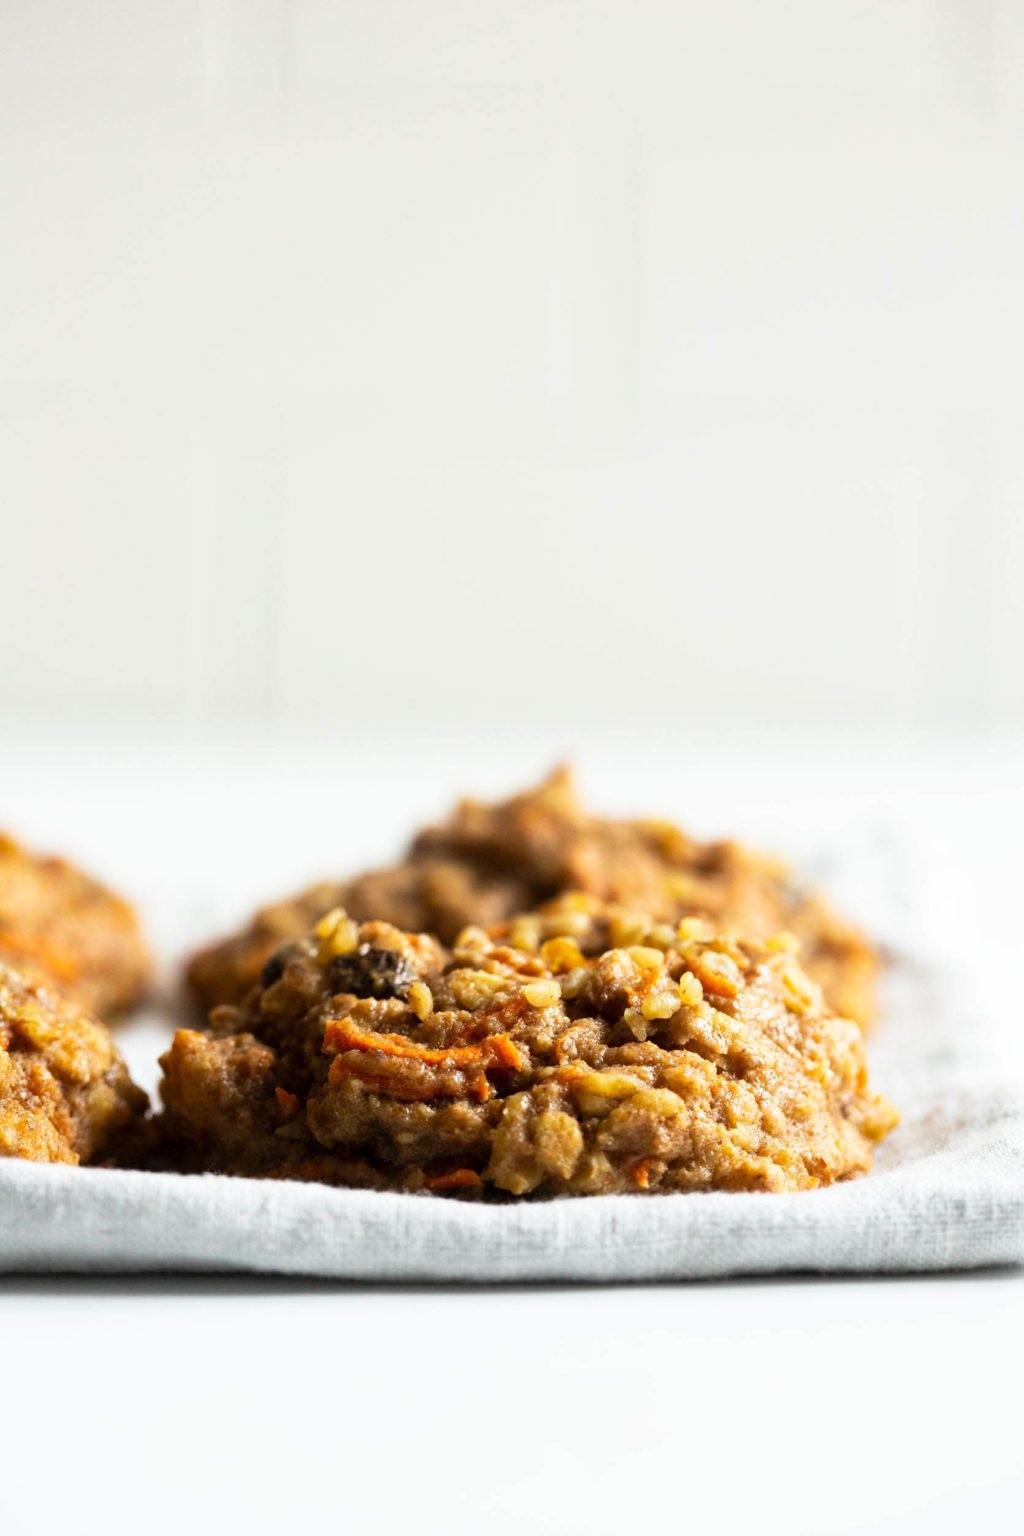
[[59, 924], [65, 1093], [487, 862], [582, 1050]]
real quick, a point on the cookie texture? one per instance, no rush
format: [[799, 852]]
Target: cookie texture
[[487, 862], [59, 924], [579, 1050], [65, 1092]]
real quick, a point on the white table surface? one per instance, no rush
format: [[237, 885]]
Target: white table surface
[[800, 1405]]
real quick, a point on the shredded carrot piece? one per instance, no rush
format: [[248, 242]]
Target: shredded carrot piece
[[711, 978], [459, 1178], [57, 961], [494, 1050], [289, 1102], [640, 1173]]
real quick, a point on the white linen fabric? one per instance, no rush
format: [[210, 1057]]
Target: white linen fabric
[[947, 1192]]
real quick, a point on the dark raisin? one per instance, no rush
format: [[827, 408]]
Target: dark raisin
[[369, 972], [281, 959]]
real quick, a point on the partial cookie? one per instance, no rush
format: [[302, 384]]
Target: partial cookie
[[679, 1060], [65, 1092], [487, 862], [59, 924]]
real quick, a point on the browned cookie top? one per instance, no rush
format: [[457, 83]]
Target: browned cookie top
[[487, 862]]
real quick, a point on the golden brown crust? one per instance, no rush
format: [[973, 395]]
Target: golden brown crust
[[59, 924], [487, 862], [65, 1092], [531, 1060]]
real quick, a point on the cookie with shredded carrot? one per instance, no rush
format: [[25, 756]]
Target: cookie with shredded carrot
[[60, 925], [65, 1092], [487, 862], [526, 1063]]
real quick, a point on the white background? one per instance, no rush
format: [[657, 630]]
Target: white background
[[800, 1408], [396, 395], [372, 359]]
